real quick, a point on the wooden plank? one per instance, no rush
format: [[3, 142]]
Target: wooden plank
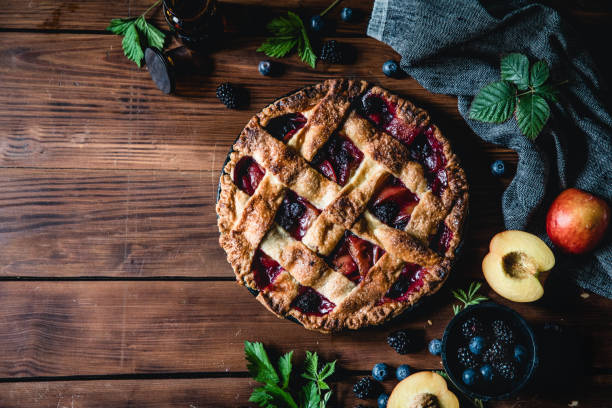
[[147, 223], [109, 328], [234, 392], [74, 101]]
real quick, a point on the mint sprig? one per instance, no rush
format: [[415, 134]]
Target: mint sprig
[[288, 33], [469, 297], [496, 102], [137, 34], [276, 390]]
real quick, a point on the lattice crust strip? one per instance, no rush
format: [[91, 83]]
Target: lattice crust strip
[[248, 222]]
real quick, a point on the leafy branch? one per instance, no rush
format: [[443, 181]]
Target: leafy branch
[[468, 298], [288, 33], [496, 102], [276, 391], [137, 34]]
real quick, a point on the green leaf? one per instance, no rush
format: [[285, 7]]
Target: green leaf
[[327, 370], [288, 33], [276, 47], [548, 91], [131, 45], [494, 103], [120, 25], [155, 38], [258, 363], [310, 396], [271, 396], [531, 114], [311, 365], [284, 366], [515, 68], [539, 74], [326, 398]]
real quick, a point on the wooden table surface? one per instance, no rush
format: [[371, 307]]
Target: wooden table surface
[[113, 289]]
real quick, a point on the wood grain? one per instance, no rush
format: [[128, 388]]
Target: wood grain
[[111, 328], [234, 393]]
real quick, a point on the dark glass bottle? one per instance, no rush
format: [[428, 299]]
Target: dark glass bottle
[[197, 23]]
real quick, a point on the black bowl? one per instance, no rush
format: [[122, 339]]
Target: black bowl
[[453, 339]]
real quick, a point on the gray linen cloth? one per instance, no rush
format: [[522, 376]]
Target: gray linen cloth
[[455, 46]]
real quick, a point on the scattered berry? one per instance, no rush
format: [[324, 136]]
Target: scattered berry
[[403, 371], [402, 341], [506, 369], [498, 351], [391, 69], [366, 388], [229, 95], [435, 347], [466, 358], [472, 327], [486, 372], [502, 332], [265, 67], [317, 23], [520, 353], [332, 52], [469, 376], [346, 14], [380, 372], [382, 400], [498, 168], [477, 345]]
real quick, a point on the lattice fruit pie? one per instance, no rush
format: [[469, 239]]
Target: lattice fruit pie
[[342, 205]]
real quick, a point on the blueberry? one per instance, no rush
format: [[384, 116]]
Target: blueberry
[[265, 68], [317, 23], [435, 347], [469, 376], [486, 371], [498, 168], [346, 14], [380, 372], [403, 371], [382, 400], [520, 353], [477, 345], [391, 69]]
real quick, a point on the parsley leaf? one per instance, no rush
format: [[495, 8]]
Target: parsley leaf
[[515, 68], [137, 34], [284, 366], [259, 365], [287, 34], [494, 103]]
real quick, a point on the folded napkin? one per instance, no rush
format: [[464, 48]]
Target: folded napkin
[[455, 46]]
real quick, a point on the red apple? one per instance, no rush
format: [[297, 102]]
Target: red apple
[[577, 221]]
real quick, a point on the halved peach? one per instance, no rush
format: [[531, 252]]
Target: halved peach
[[517, 265], [422, 389]]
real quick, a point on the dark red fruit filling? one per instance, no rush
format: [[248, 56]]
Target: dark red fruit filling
[[410, 280], [338, 159], [283, 127], [394, 203], [295, 214], [353, 257], [382, 113], [428, 151], [248, 174], [265, 269], [441, 241], [311, 302]]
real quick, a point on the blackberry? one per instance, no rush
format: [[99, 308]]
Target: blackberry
[[506, 370], [308, 302], [403, 341], [386, 212], [332, 52], [466, 358], [366, 388], [229, 95], [289, 213], [497, 352], [472, 327], [502, 332]]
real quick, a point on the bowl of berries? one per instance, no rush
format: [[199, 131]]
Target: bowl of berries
[[489, 351]]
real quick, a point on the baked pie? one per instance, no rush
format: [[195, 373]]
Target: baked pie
[[342, 205]]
